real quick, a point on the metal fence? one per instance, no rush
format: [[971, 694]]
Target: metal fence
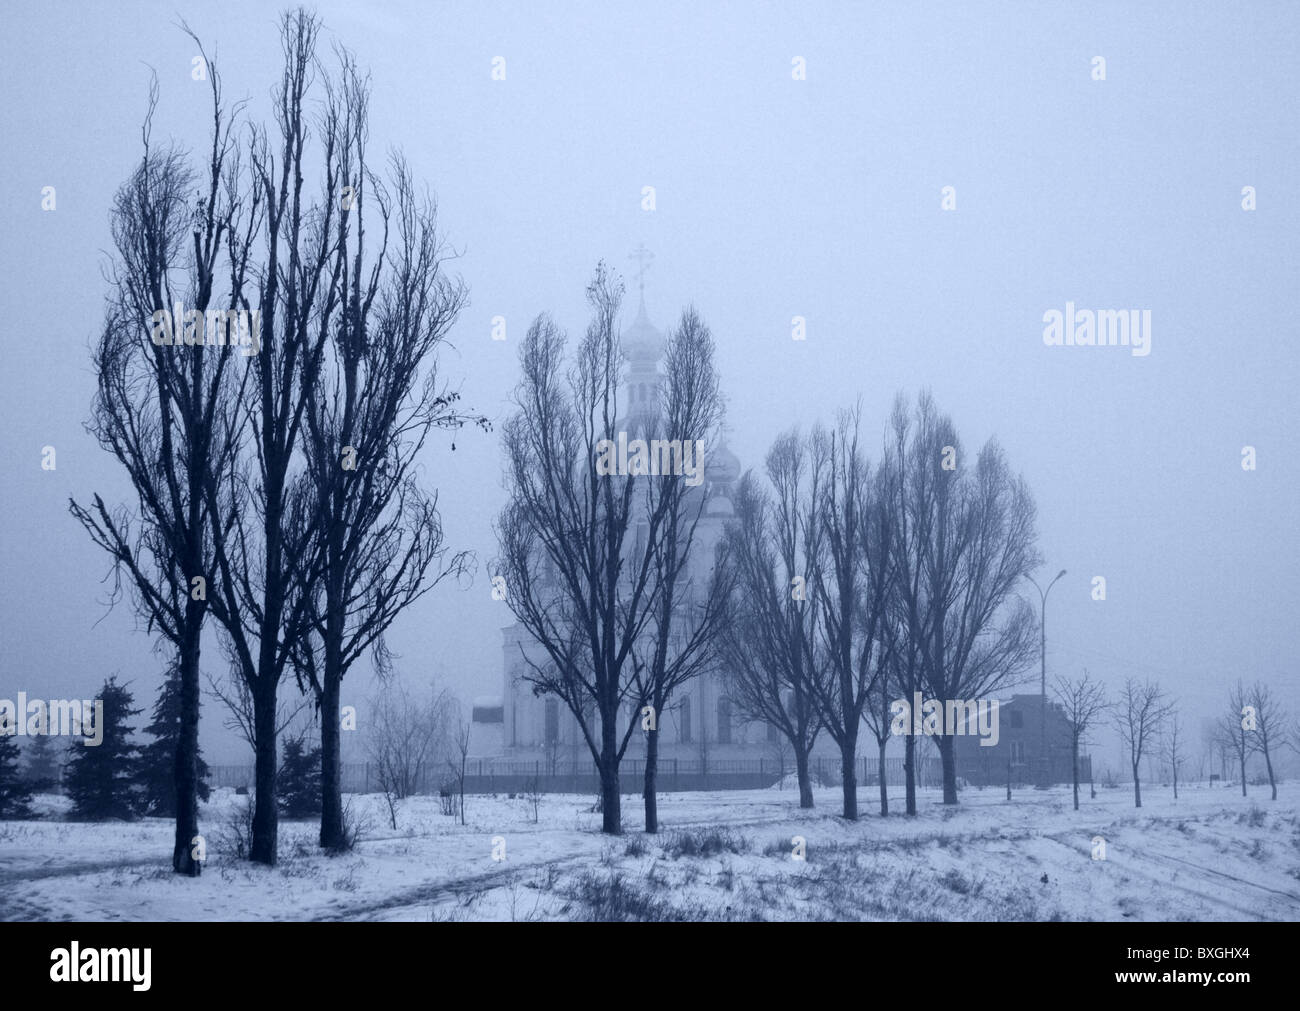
[[499, 775]]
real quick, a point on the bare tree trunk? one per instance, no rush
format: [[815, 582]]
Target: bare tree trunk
[[187, 750], [884, 787], [909, 772], [266, 818], [948, 757], [848, 759], [1074, 762], [611, 820], [1242, 752], [805, 780], [332, 834], [1137, 786], [651, 777]]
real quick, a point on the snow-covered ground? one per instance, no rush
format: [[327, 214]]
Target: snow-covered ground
[[1211, 855]]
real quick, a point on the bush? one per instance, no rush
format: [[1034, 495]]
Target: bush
[[613, 899], [354, 827], [448, 799], [533, 794], [239, 827], [704, 843]]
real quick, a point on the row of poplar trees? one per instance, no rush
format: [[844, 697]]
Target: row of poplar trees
[[840, 584], [274, 497]]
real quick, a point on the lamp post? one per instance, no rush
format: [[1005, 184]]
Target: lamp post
[[1042, 641]]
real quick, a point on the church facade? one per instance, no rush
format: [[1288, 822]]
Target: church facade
[[700, 730]]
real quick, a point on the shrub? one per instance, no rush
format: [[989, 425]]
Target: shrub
[[704, 843]]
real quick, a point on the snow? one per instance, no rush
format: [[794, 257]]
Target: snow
[[1210, 855]]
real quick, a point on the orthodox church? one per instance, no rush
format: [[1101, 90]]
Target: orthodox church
[[699, 730]]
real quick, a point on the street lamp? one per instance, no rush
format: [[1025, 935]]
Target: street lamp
[[1042, 632]]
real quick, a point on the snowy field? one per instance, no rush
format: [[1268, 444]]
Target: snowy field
[[1211, 855]]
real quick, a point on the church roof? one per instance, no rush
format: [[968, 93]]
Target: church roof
[[721, 466], [642, 341]]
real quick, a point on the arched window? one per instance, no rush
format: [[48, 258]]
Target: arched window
[[724, 720], [684, 721]]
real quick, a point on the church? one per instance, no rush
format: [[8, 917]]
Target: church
[[699, 732]]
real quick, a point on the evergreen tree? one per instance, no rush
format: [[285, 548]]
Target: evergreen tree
[[157, 770], [101, 779], [14, 791], [299, 786], [42, 771]]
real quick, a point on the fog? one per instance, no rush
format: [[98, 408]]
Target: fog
[[775, 198]]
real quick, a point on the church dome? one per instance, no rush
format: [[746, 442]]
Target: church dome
[[642, 343], [721, 466]]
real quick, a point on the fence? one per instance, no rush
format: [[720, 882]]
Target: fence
[[505, 775]]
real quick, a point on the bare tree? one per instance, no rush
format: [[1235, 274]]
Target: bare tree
[[375, 399], [268, 574], [904, 677], [1175, 746], [877, 713], [165, 397], [458, 758], [1234, 736], [1139, 717], [1084, 704], [234, 695], [1270, 722], [686, 615], [964, 537], [577, 571], [1209, 745], [772, 664], [533, 795], [406, 739], [852, 586]]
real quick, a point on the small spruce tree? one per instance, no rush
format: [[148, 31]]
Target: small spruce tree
[[42, 770], [157, 769], [101, 779], [15, 792], [299, 785]]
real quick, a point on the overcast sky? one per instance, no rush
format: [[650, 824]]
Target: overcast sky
[[775, 198]]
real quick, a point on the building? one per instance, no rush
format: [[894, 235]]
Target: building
[[700, 732], [1018, 754]]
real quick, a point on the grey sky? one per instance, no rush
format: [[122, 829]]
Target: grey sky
[[775, 198]]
